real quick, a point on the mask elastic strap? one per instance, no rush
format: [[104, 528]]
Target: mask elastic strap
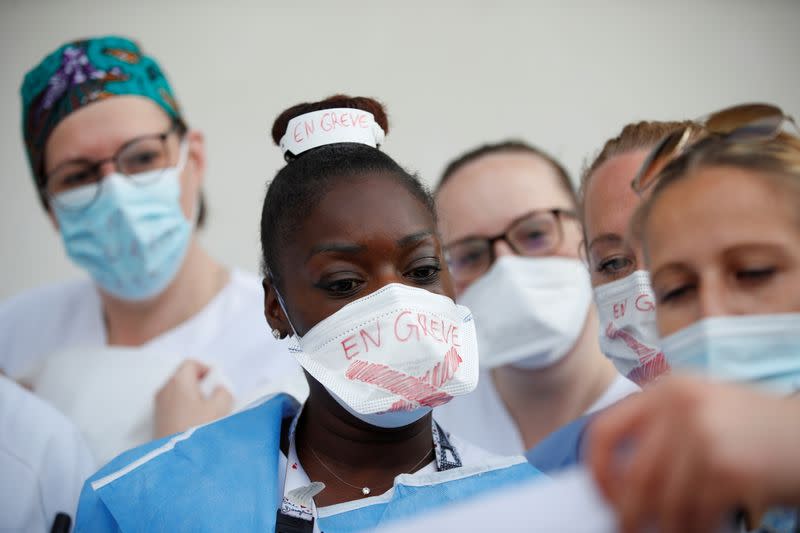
[[183, 155], [282, 304], [183, 158]]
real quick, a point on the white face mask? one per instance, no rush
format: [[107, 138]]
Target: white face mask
[[529, 311], [760, 350], [390, 357], [628, 330]]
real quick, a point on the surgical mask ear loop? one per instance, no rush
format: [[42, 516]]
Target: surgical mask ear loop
[[282, 304], [183, 158], [183, 155]]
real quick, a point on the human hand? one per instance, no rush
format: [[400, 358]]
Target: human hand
[[686, 453], [181, 404]]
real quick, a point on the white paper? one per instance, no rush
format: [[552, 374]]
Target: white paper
[[329, 126], [566, 503]]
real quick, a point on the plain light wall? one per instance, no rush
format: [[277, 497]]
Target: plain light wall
[[563, 75]]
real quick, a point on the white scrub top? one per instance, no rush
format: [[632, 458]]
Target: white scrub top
[[43, 462], [54, 338], [481, 417]]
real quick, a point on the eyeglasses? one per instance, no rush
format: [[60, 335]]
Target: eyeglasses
[[742, 123], [536, 234], [76, 184]]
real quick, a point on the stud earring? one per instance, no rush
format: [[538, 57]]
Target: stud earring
[[277, 334]]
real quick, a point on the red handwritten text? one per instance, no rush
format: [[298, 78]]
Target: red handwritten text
[[410, 325], [444, 370], [351, 346], [329, 122], [645, 303], [404, 385], [652, 362], [643, 352]]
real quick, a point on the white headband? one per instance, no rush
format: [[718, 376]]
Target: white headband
[[329, 126]]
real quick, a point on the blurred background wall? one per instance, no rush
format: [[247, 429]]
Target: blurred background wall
[[564, 75]]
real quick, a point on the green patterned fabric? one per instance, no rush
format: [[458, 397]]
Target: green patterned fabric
[[82, 72]]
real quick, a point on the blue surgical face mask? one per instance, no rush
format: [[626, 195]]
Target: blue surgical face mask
[[762, 350], [132, 239]]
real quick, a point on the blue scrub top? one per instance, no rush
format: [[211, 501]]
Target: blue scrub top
[[224, 477], [563, 448]]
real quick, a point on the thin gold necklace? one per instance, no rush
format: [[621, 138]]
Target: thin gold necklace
[[365, 491]]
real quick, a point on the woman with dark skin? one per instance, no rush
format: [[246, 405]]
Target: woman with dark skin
[[342, 224], [334, 259]]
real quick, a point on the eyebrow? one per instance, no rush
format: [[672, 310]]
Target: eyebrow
[[72, 161], [414, 238], [676, 266], [673, 265], [570, 211], [352, 248], [85, 160], [610, 238], [335, 248]]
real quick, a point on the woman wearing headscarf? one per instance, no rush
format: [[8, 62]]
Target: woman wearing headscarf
[[119, 173]]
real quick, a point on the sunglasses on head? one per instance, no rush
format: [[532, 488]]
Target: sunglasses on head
[[741, 123]]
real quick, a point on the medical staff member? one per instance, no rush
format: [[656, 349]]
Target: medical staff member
[[119, 174], [508, 216], [622, 293], [355, 275], [721, 240], [43, 459]]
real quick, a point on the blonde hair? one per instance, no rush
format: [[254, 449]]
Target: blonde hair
[[635, 136], [776, 161]]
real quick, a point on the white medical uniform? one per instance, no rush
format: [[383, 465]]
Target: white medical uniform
[[43, 461], [481, 417], [54, 338]]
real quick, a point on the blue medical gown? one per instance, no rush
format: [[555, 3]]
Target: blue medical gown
[[224, 477], [563, 448]]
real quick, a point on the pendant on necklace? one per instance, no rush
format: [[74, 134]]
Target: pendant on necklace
[[365, 491]]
